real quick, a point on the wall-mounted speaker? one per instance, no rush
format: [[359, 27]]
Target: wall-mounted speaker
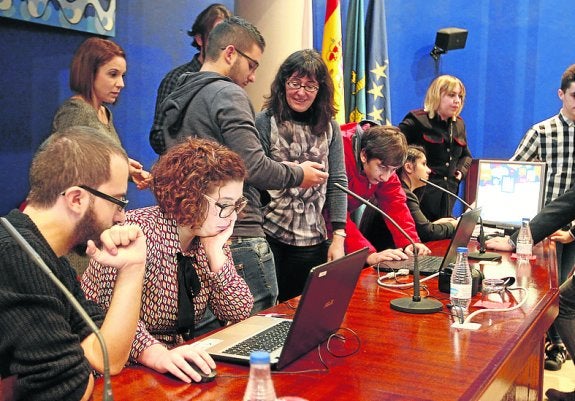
[[448, 39]]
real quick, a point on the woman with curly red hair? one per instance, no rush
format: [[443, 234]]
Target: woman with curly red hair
[[198, 186]]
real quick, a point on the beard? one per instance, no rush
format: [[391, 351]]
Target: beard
[[87, 228], [235, 73]]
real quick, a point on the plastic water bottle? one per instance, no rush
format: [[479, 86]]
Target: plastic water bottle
[[461, 281], [260, 385], [524, 246]]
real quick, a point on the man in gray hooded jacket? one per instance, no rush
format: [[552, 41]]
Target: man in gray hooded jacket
[[212, 104]]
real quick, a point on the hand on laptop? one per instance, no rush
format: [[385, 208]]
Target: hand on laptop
[[421, 249], [176, 361], [387, 254], [450, 220]]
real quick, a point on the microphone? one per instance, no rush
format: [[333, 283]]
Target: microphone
[[107, 396], [481, 255], [415, 304]]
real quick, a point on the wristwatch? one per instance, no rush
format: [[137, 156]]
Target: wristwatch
[[341, 233]]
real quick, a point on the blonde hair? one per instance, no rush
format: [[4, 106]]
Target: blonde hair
[[441, 85]]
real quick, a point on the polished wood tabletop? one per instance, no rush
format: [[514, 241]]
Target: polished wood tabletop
[[400, 356]]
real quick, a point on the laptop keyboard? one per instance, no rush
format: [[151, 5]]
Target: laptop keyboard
[[427, 264], [268, 340]]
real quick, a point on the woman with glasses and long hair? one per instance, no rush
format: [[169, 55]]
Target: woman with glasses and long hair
[[97, 78], [439, 128], [414, 168], [296, 126], [198, 187]]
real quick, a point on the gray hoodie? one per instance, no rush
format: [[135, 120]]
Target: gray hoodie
[[210, 105]]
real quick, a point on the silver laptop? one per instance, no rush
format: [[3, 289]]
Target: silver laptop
[[429, 264], [321, 309]]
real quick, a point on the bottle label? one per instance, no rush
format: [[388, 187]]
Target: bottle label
[[523, 249], [462, 291]]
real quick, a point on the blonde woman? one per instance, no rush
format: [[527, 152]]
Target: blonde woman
[[440, 130]]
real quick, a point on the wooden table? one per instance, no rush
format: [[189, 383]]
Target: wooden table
[[402, 356]]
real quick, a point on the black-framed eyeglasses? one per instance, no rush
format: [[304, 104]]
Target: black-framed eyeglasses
[[295, 85], [121, 203], [227, 210], [253, 64]]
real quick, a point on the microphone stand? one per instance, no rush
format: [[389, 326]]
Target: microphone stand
[[414, 304], [482, 254], [107, 396]]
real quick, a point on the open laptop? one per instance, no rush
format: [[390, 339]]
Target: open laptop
[[429, 264], [324, 301]]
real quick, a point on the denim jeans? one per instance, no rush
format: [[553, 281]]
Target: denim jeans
[[565, 321], [254, 262]]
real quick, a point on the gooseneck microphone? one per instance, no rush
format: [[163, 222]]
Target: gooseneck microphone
[[107, 396], [414, 304], [481, 255]]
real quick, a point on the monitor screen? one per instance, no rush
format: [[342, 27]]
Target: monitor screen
[[507, 191]]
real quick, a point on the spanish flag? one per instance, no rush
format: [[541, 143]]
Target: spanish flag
[[332, 54]]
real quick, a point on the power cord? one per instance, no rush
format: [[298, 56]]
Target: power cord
[[467, 324], [394, 274]]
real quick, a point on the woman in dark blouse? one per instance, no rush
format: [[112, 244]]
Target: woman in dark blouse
[[414, 168]]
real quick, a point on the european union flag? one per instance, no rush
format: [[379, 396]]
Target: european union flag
[[378, 105], [354, 63]]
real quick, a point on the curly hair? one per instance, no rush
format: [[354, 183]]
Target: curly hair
[[303, 63], [189, 170], [91, 55], [441, 85]]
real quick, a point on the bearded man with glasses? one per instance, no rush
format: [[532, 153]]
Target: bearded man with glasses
[[78, 180]]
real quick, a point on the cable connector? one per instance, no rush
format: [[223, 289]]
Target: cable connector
[[390, 275], [466, 325]]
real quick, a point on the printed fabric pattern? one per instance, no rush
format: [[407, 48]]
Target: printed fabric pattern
[[293, 216]]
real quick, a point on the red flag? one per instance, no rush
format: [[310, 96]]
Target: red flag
[[332, 54]]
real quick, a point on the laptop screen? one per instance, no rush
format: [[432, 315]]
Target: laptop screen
[[508, 191]]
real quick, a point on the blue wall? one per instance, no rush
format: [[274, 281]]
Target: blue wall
[[511, 67]]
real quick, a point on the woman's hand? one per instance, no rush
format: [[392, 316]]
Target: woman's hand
[[214, 247], [176, 361], [141, 177], [336, 249]]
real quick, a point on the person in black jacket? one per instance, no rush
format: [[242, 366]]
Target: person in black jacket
[[548, 222], [441, 131]]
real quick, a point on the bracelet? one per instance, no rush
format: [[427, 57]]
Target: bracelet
[[341, 233]]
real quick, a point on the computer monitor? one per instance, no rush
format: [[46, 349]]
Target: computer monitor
[[507, 191]]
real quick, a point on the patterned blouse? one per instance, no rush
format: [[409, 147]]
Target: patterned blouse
[[225, 292]]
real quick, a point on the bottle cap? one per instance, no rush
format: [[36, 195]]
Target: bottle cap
[[525, 219], [260, 357], [461, 249]]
